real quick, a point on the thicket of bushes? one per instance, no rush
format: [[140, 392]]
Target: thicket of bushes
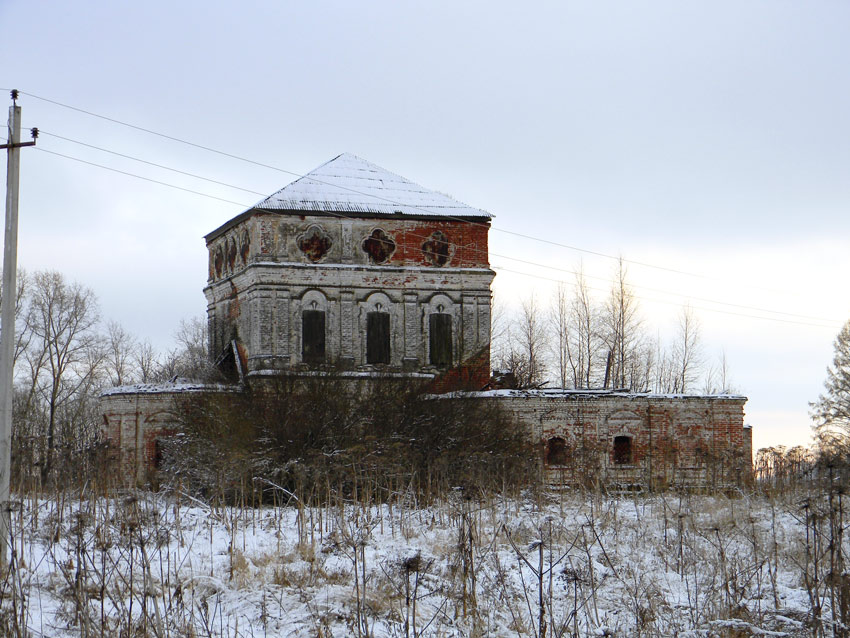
[[320, 437]]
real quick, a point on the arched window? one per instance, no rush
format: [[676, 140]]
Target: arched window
[[377, 337], [440, 339], [556, 451], [313, 336], [623, 450]]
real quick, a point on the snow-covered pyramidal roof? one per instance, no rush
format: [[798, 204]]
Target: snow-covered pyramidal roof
[[349, 184]]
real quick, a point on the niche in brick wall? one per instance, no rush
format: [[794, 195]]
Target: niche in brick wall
[[313, 336], [622, 454], [218, 261], [314, 243], [437, 249], [244, 246], [378, 337], [556, 451], [231, 253], [379, 246]]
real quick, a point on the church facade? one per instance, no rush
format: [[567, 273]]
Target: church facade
[[354, 271]]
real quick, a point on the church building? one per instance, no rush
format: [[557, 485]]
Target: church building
[[354, 271]]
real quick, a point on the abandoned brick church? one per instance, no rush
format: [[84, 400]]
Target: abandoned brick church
[[355, 271]]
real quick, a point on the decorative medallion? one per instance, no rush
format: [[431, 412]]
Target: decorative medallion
[[437, 249], [379, 246], [314, 243]]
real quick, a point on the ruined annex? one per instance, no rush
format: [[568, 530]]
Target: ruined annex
[[356, 272]]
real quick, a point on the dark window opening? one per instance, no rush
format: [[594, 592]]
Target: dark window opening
[[229, 364], [313, 336], [622, 450], [158, 453], [440, 339], [556, 451], [378, 337]]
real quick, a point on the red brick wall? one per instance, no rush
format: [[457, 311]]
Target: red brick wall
[[469, 241], [472, 374], [674, 439], [695, 441], [132, 422]]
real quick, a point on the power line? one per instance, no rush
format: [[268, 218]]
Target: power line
[[299, 176], [424, 237], [162, 135], [666, 292], [142, 161], [673, 303], [193, 175], [147, 179]]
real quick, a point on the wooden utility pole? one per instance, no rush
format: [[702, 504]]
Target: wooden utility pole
[[7, 320]]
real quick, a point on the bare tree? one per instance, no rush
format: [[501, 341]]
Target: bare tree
[[66, 352], [687, 356], [531, 340], [726, 384], [621, 331], [189, 359], [119, 354], [560, 319], [500, 337], [522, 346], [717, 379], [665, 370], [22, 332], [585, 345], [644, 364], [145, 362]]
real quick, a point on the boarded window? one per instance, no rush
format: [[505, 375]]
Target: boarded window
[[556, 451], [692, 451], [622, 450], [378, 337], [440, 339], [313, 336]]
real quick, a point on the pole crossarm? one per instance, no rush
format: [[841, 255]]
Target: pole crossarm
[[20, 145]]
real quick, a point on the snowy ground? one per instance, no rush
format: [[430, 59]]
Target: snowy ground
[[155, 565]]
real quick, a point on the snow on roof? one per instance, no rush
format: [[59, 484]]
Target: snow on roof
[[567, 392], [350, 184], [176, 387]]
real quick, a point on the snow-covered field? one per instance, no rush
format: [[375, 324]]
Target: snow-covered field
[[143, 564]]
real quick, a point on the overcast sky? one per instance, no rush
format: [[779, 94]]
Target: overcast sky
[[709, 138]]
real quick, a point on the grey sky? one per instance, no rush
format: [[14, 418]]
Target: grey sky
[[707, 137]]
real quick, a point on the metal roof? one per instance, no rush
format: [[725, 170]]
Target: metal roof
[[350, 184]]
